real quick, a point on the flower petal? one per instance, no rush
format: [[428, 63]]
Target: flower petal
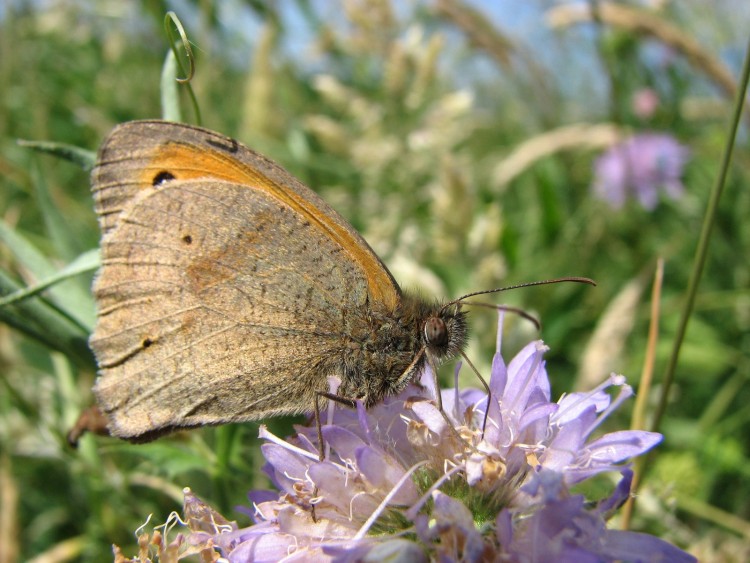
[[619, 446]]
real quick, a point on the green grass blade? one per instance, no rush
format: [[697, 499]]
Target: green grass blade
[[70, 298], [82, 157], [705, 237], [41, 321], [170, 94]]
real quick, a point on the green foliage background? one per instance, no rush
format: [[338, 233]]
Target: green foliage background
[[417, 121]]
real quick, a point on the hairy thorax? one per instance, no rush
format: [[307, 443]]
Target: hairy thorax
[[388, 349]]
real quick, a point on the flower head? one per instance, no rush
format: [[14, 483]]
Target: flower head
[[486, 479], [639, 167]]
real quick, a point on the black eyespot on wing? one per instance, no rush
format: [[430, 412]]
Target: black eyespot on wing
[[146, 343], [187, 239], [162, 177]]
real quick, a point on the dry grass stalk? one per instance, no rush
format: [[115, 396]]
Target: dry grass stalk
[[645, 23], [477, 28], [579, 135]]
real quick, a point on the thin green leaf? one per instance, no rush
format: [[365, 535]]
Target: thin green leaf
[[701, 251], [170, 94], [73, 300], [77, 155], [57, 225], [171, 20], [41, 321], [86, 262]]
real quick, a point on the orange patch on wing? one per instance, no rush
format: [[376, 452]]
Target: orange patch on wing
[[188, 162]]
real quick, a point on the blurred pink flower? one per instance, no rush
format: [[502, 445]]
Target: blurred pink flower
[[645, 101], [639, 167]]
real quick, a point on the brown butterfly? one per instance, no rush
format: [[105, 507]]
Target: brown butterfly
[[229, 291]]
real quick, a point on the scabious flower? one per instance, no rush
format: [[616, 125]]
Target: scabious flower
[[404, 481], [639, 167]]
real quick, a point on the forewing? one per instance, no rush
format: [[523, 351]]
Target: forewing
[[139, 154]]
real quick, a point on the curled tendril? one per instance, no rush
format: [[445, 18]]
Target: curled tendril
[[172, 18], [171, 22]]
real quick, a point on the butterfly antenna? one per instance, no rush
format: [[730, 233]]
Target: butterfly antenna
[[574, 279], [462, 301], [486, 388], [515, 310], [439, 401]]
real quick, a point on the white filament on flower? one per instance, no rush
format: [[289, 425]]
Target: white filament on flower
[[292, 550], [362, 418], [362, 532], [456, 395], [172, 520], [267, 435], [297, 479], [613, 379], [500, 320], [411, 514], [351, 504], [333, 387], [139, 529]]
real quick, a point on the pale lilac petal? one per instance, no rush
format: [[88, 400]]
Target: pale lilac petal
[[498, 382], [573, 405], [619, 446], [300, 524], [342, 441], [484, 464], [504, 527], [396, 551], [547, 485], [564, 449], [388, 551], [362, 419], [498, 376], [475, 468], [621, 493], [285, 463], [536, 412], [257, 498], [634, 546], [339, 488], [454, 525], [454, 409], [384, 473], [525, 374], [430, 416], [472, 397], [270, 547]]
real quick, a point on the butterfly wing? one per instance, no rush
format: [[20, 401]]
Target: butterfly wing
[[228, 290]]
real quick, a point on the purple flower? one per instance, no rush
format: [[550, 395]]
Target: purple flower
[[559, 528], [638, 167], [405, 482]]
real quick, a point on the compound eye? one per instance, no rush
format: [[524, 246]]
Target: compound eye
[[435, 332]]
